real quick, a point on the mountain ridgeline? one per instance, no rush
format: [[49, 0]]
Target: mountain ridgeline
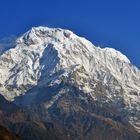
[[57, 85]]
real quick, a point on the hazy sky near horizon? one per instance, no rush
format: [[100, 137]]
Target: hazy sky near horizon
[[107, 23]]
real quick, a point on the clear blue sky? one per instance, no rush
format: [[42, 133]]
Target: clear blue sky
[[111, 23]]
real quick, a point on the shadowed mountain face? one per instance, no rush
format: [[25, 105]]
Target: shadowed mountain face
[[6, 135], [57, 86], [72, 116]]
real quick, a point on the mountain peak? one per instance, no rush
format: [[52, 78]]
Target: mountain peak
[[55, 34], [55, 49], [41, 35], [46, 57]]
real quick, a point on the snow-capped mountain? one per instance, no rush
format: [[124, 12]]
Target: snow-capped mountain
[[47, 57]]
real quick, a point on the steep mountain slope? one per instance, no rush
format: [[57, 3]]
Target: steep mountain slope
[[6, 108], [70, 118], [65, 78], [6, 135]]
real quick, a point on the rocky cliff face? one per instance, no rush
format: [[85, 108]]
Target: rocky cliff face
[[6, 135], [76, 90]]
